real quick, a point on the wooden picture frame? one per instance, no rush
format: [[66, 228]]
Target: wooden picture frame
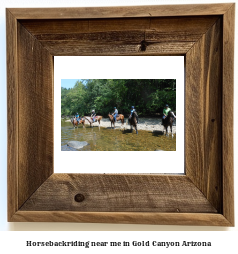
[[204, 34]]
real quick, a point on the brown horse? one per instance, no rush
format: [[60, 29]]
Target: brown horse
[[133, 122], [76, 123], [118, 118], [168, 121], [90, 120]]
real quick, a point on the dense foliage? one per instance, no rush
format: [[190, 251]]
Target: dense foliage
[[149, 96]]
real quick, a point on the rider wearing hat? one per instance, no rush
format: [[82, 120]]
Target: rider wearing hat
[[93, 115], [133, 110], [77, 117], [115, 114], [165, 112]]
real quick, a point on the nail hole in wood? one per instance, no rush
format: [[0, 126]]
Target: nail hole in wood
[[79, 198]]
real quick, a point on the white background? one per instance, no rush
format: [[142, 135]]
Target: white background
[[106, 67], [15, 241]]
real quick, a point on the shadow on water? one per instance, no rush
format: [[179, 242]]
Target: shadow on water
[[157, 133], [126, 131], [118, 139]]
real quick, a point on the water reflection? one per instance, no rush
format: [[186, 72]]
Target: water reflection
[[107, 139]]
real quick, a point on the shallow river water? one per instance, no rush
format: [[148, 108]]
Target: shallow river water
[[107, 139]]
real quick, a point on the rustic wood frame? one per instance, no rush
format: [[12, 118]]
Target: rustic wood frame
[[204, 34]]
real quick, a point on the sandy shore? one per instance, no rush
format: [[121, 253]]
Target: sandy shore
[[147, 124]]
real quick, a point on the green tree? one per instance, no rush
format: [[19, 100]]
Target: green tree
[[148, 96]]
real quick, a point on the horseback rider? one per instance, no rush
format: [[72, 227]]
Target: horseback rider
[[165, 113], [77, 117], [133, 110], [115, 114], [93, 115]]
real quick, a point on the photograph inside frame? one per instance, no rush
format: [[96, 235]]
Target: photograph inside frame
[[118, 115], [108, 114]]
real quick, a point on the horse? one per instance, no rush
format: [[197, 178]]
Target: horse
[[75, 122], [168, 121], [90, 120], [133, 122], [118, 118]]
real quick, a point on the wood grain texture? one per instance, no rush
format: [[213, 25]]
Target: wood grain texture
[[192, 219], [114, 193], [227, 113], [174, 36], [120, 12], [204, 115], [12, 117], [115, 49], [189, 26], [35, 114]]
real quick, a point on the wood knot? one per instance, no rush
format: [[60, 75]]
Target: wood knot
[[213, 120], [143, 45], [79, 198]]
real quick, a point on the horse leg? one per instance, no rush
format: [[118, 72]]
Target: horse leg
[[171, 130], [136, 129]]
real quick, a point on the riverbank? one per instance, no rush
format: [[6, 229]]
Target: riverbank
[[147, 124]]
